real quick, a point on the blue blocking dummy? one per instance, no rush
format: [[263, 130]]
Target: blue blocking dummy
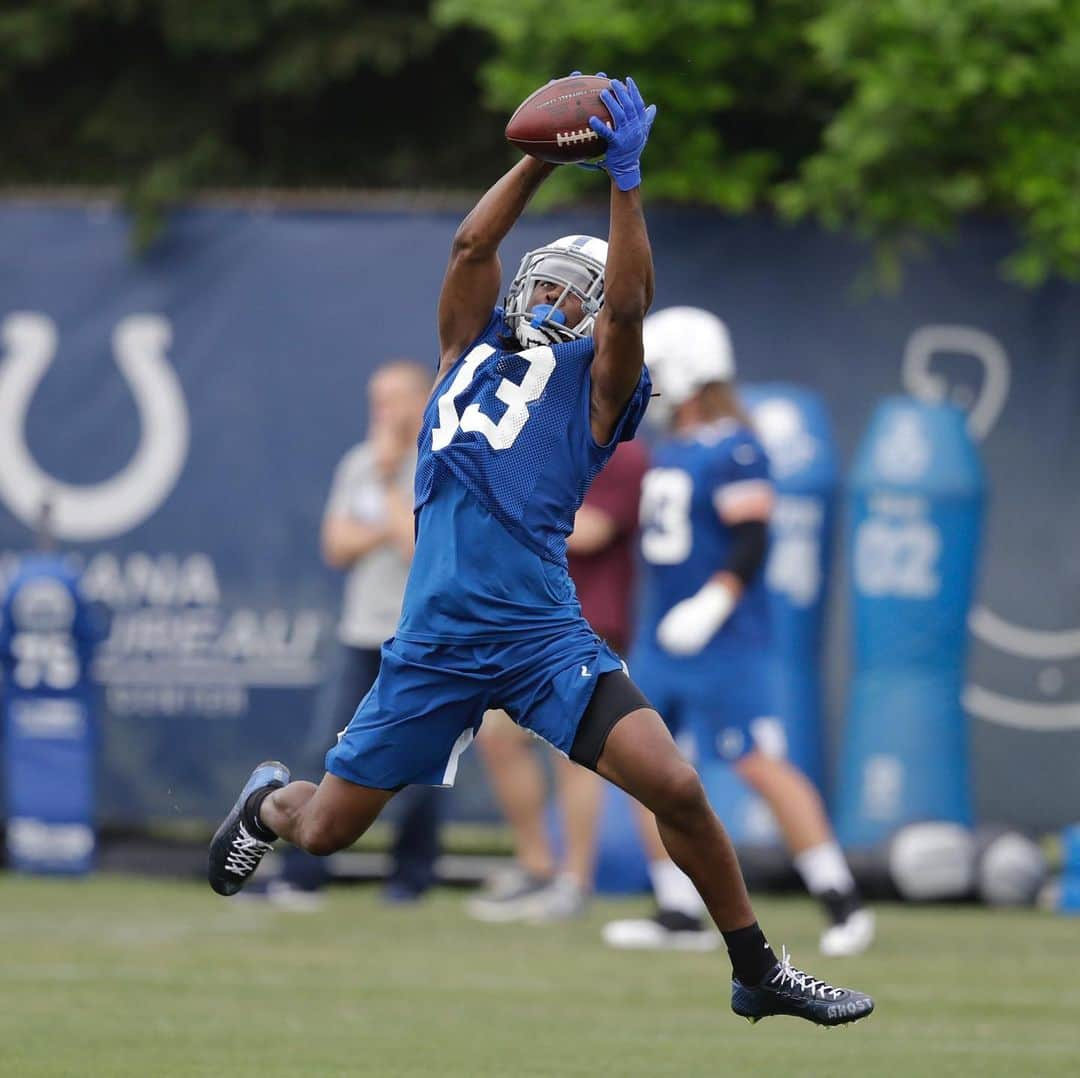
[[47, 639], [915, 505], [793, 423]]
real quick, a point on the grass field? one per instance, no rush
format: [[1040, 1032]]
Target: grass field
[[119, 976]]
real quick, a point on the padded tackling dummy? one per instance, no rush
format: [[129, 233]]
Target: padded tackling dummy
[[915, 512], [47, 638]]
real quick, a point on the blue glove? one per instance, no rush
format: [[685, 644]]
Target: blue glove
[[625, 142]]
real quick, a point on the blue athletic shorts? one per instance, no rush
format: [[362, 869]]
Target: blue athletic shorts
[[726, 702], [429, 699]]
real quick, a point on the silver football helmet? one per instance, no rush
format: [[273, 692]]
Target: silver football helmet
[[576, 263]]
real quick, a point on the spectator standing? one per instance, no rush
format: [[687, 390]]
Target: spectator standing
[[367, 533]]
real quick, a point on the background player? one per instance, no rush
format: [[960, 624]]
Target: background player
[[529, 404], [702, 655]]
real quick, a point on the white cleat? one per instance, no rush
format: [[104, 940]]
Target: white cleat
[[850, 937], [668, 930]]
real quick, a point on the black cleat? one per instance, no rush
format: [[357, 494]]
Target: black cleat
[[787, 990], [234, 852]]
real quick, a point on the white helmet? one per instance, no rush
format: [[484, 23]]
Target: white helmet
[[575, 262], [685, 348]]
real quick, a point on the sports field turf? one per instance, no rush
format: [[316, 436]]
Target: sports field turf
[[119, 976]]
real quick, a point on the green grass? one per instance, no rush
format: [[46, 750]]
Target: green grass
[[118, 976]]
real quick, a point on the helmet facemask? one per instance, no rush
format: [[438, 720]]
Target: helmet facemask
[[580, 273]]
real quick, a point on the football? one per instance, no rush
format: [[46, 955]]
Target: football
[[553, 122]]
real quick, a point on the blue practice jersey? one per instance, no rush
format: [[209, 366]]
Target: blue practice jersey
[[506, 454], [683, 539]]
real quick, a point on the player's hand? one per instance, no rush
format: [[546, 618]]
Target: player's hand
[[626, 140], [688, 626]]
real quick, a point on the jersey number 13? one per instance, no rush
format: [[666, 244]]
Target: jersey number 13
[[517, 398]]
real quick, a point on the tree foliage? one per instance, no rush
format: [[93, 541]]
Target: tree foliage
[[891, 118], [164, 97]]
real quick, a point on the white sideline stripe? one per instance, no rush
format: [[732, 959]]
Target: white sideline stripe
[[1005, 711], [1027, 643], [463, 742]]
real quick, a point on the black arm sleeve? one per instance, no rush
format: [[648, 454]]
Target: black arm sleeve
[[749, 545]]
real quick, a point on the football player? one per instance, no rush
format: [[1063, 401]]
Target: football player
[[702, 654], [529, 402]]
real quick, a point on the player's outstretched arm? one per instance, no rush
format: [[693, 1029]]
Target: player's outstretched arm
[[628, 279], [471, 286]]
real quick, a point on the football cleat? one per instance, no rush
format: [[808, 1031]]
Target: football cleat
[[787, 990], [666, 930], [518, 895], [234, 852]]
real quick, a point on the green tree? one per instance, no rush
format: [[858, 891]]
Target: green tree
[[891, 117], [162, 97]]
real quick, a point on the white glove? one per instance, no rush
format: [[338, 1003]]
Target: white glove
[[688, 626]]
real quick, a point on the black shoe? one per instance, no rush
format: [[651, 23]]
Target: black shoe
[[787, 990], [234, 852]]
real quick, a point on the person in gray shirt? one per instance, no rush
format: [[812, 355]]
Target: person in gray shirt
[[367, 533]]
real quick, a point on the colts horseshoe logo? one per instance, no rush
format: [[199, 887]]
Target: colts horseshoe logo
[[1039, 647], [97, 510]]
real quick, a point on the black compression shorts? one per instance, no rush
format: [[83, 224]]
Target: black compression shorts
[[614, 697]]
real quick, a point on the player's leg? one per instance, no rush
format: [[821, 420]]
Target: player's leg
[[520, 788], [535, 890], [579, 794], [303, 875], [319, 819], [800, 815], [580, 698], [639, 755], [680, 921], [412, 727]]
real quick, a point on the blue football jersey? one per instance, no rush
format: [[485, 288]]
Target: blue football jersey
[[683, 539], [505, 456]]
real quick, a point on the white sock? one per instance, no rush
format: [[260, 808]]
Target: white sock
[[824, 868], [673, 889]]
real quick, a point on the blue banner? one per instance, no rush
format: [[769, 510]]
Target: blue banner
[[187, 408]]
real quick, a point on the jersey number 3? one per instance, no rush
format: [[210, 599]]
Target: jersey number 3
[[666, 537], [517, 398]]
